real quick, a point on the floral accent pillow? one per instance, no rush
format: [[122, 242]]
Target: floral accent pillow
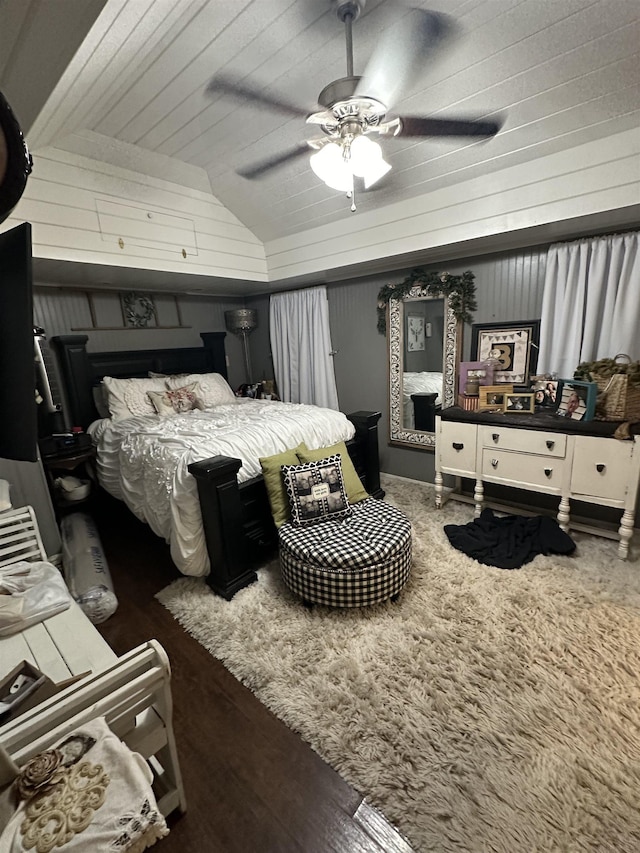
[[316, 490], [177, 401], [214, 390]]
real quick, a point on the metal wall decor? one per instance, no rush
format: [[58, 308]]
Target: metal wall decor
[[138, 310]]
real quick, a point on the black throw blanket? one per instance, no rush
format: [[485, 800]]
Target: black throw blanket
[[510, 541]]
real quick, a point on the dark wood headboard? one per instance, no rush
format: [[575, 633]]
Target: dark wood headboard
[[82, 370]]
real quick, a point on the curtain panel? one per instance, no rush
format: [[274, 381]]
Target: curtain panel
[[301, 347], [590, 302]]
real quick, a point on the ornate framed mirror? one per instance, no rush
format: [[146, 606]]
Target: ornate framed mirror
[[424, 347]]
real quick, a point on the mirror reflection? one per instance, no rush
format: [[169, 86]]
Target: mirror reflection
[[423, 345], [422, 362]]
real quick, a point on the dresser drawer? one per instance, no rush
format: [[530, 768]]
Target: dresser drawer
[[524, 471], [457, 447], [601, 467], [523, 440]]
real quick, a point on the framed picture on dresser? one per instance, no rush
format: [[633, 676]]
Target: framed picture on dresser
[[513, 345], [577, 400]]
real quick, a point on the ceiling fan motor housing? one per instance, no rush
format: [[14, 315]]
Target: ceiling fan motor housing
[[349, 9]]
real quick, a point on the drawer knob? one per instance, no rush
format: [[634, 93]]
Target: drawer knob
[[550, 444], [457, 445], [494, 463], [600, 467], [495, 436], [548, 472]]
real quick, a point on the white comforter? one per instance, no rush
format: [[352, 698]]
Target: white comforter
[[143, 460]]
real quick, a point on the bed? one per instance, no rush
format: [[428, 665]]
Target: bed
[[209, 502], [421, 397]]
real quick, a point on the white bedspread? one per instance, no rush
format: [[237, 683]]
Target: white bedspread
[[143, 460]]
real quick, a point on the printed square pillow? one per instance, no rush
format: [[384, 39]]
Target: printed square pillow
[[176, 401], [316, 490]]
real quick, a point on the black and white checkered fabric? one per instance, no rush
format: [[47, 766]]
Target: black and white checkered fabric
[[359, 560]]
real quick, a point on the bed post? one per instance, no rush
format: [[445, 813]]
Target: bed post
[[367, 459], [222, 518]]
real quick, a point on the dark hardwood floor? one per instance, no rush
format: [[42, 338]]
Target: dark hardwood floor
[[252, 785]]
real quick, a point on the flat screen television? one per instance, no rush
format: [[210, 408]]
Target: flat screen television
[[18, 408]]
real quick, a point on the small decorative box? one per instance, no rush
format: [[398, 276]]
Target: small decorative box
[[469, 404]]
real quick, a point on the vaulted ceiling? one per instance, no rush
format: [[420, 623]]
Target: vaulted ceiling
[[130, 78]]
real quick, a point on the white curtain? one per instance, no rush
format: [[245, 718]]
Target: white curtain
[[301, 346], [590, 302]]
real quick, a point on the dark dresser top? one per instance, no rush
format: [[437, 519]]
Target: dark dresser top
[[548, 421]]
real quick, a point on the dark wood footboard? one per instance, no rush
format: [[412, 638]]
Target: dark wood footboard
[[238, 526]]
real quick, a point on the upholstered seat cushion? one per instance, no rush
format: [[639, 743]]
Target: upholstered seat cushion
[[359, 560]]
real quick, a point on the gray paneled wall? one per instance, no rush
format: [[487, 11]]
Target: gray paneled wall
[[509, 287], [62, 312]]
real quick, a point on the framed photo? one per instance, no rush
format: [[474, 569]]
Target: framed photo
[[513, 345], [469, 370], [517, 403], [493, 397], [577, 400], [546, 393], [415, 332]]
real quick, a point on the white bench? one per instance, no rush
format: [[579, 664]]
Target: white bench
[[132, 692]]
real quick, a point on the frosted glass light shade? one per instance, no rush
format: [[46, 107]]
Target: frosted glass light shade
[[329, 165], [367, 161], [375, 172]]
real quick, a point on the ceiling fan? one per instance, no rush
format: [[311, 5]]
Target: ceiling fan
[[355, 108]]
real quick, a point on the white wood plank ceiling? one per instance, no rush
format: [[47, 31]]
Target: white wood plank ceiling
[[561, 72]]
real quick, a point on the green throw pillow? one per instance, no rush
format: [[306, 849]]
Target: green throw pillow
[[355, 490], [273, 480]]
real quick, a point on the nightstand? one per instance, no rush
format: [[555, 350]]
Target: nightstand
[[76, 459]]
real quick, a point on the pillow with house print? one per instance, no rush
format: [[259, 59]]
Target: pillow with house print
[[316, 490]]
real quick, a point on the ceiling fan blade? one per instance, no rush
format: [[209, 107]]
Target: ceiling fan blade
[[400, 54], [259, 169], [222, 84], [417, 126]]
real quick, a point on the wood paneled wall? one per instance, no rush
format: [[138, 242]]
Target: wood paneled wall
[[83, 209]]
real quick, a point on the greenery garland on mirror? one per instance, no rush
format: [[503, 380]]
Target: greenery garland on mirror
[[460, 290]]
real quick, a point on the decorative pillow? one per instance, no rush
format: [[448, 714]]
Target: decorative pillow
[[316, 490], [176, 401], [272, 475], [128, 397], [214, 388], [356, 492]]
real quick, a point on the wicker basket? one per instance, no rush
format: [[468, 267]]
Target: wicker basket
[[618, 399]]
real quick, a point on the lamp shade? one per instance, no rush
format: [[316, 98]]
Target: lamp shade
[[330, 166], [239, 320]]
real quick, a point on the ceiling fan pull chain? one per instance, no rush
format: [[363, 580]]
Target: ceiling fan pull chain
[[352, 196]]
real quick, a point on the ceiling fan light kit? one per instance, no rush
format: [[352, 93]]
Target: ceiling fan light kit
[[337, 163], [355, 107]]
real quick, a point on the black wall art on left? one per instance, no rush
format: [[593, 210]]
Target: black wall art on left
[[18, 408]]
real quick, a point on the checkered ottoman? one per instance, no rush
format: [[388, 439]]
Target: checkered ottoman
[[359, 560]]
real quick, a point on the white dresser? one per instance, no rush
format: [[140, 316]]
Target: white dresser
[[596, 469]]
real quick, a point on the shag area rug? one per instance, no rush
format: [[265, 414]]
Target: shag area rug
[[486, 710]]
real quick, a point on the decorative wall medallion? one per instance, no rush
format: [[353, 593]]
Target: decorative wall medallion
[[138, 310]]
